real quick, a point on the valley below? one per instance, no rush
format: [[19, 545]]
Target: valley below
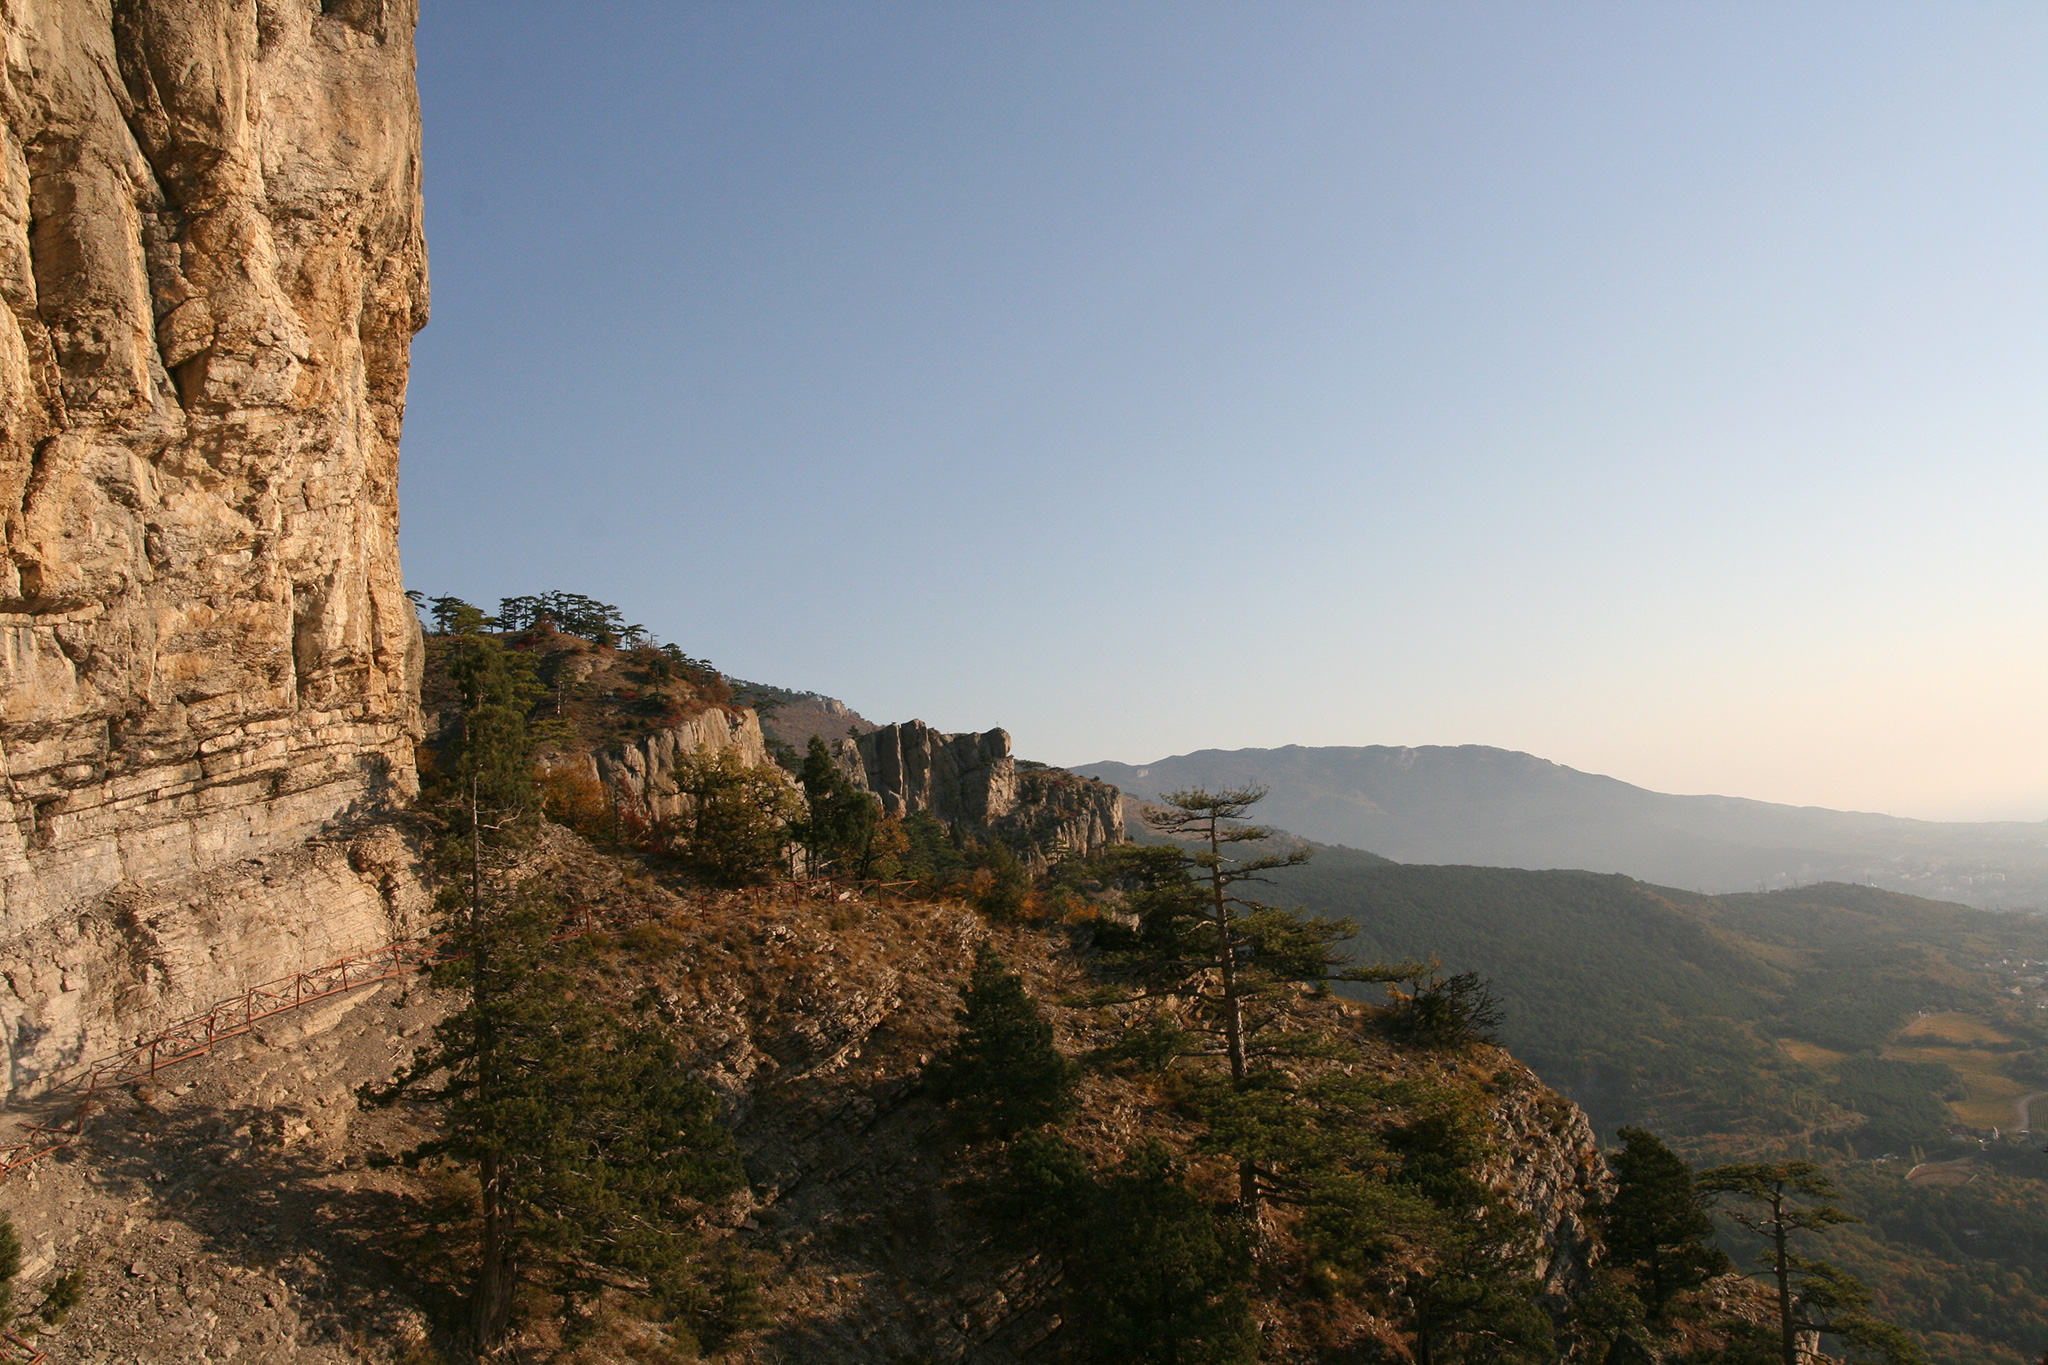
[[1892, 1039]]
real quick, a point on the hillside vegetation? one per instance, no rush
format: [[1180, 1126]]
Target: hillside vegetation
[[1870, 1031], [1100, 1115]]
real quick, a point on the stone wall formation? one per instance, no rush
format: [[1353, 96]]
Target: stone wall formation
[[972, 782]]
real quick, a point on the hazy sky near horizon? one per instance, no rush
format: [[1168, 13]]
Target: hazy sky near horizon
[[1658, 388]]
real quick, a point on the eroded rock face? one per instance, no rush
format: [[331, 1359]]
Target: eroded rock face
[[911, 767], [212, 266], [972, 781], [642, 775], [1549, 1166]]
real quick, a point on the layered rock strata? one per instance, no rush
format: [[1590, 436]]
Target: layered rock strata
[[971, 782], [212, 265]]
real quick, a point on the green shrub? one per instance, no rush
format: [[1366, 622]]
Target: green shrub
[[64, 1295], [10, 1266], [740, 818], [1446, 1012]]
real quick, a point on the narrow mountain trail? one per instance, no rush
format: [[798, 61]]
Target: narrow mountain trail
[[2021, 1107]]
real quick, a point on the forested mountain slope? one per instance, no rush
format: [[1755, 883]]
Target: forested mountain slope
[[1879, 1034]]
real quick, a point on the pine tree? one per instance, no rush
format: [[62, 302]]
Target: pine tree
[[492, 776], [453, 616], [1003, 1075], [838, 832], [1656, 1224], [1200, 937], [1159, 1278], [1474, 1297], [592, 1144], [1151, 1273], [740, 818], [1208, 922], [1790, 1197], [1440, 1011]]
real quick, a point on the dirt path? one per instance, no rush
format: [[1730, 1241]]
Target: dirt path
[[2020, 1107]]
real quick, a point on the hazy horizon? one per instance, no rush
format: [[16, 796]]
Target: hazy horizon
[[1085, 764], [1660, 391]]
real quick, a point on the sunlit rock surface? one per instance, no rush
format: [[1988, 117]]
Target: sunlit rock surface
[[212, 265]]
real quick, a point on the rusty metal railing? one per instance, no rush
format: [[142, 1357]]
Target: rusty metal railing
[[198, 1034]]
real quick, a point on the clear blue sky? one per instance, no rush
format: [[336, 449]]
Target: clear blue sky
[[1659, 388]]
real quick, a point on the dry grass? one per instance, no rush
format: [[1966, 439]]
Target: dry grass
[[1990, 1102], [1809, 1054], [1991, 1093], [1956, 1028]]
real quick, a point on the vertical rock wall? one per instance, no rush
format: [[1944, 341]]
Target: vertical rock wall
[[641, 775], [212, 265], [971, 782], [959, 778], [1549, 1166]]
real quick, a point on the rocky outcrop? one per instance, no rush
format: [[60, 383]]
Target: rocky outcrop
[[911, 767], [1549, 1166], [971, 782], [1057, 809], [641, 775], [212, 266]]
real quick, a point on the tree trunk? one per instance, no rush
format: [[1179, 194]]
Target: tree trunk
[[1233, 1016], [1226, 957], [492, 1299], [1781, 1267]]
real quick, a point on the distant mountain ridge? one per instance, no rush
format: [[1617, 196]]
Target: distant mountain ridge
[[792, 717], [1475, 804]]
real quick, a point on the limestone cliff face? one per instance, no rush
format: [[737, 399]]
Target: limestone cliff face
[[1057, 809], [912, 767], [212, 265], [641, 775], [972, 781]]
